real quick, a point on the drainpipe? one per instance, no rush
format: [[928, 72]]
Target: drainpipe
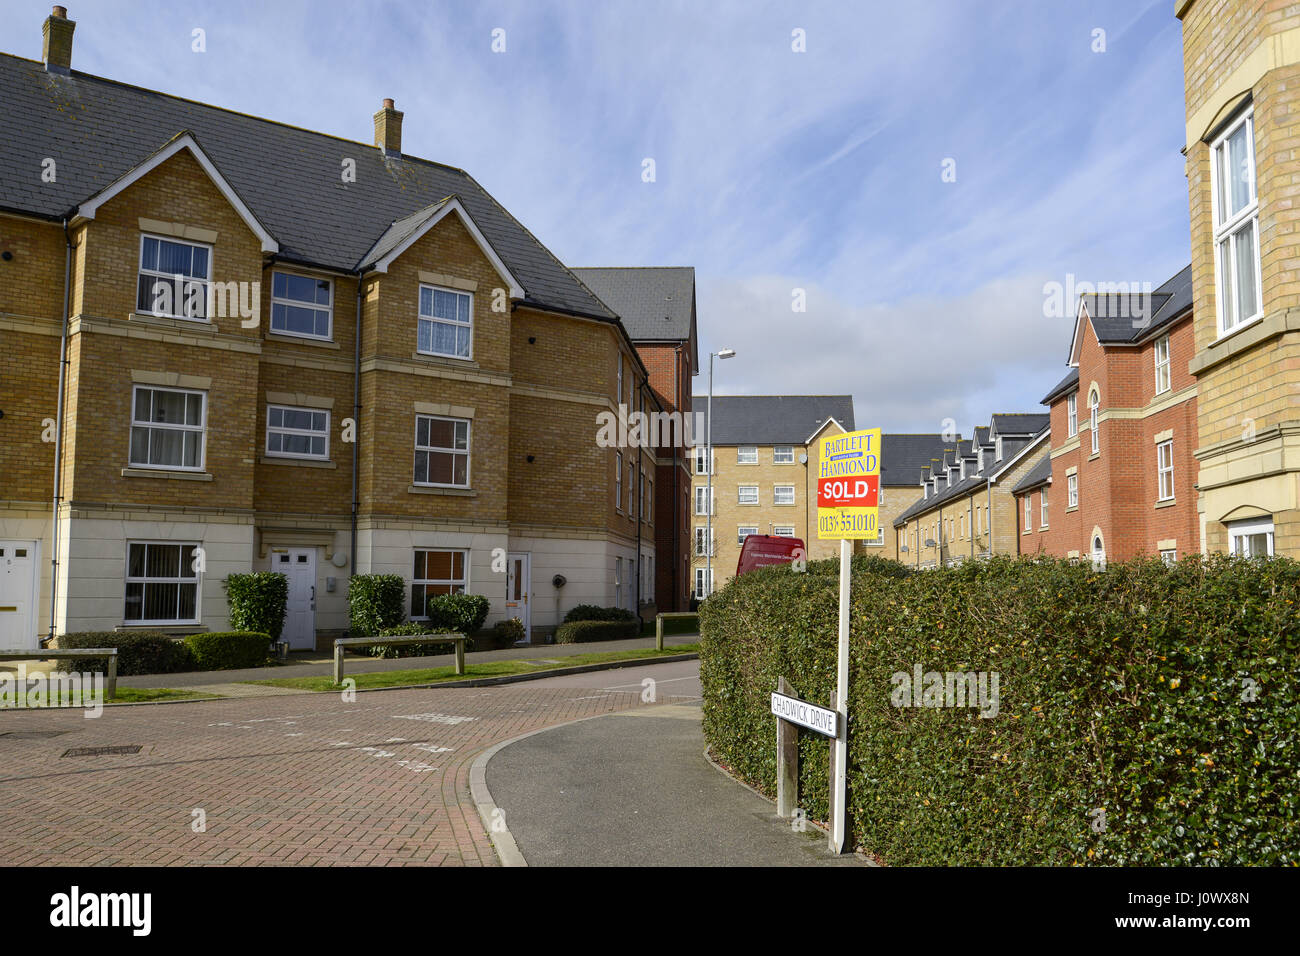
[[989, 486], [58, 428], [356, 421], [970, 523]]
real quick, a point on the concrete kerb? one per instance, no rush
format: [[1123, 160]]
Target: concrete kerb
[[476, 682]]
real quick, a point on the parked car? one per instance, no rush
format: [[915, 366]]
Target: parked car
[[760, 550]]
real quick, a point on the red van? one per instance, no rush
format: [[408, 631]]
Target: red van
[[760, 550]]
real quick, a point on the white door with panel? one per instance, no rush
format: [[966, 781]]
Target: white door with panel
[[299, 566], [18, 595], [518, 581]]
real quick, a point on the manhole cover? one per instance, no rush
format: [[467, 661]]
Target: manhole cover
[[102, 751], [32, 734]]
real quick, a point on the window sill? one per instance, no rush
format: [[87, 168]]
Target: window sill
[[1167, 503], [1094, 456], [172, 322], [1072, 509], [165, 473], [1244, 337], [182, 627], [434, 490], [299, 462], [449, 360], [302, 340]]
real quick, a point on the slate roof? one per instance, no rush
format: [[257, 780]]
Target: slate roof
[[1114, 317], [771, 419], [1040, 474], [656, 303], [904, 455], [1021, 423], [1071, 381], [290, 178]]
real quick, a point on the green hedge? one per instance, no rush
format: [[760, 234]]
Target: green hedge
[[229, 650], [464, 613], [375, 602], [257, 602], [413, 629], [138, 652], [594, 612], [584, 632], [1162, 697]]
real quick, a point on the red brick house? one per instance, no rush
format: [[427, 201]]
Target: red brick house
[[1120, 479]]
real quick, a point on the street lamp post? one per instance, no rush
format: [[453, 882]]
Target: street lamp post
[[708, 463]]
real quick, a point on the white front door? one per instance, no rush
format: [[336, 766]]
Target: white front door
[[518, 580], [18, 595], [299, 566]]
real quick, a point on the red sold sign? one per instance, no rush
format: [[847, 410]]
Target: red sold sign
[[861, 492]]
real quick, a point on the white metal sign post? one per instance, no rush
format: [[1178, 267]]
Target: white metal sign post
[[848, 493]]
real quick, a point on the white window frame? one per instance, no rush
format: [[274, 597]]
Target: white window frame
[[1042, 507], [1169, 556], [201, 428], [744, 531], [704, 542], [145, 580], [419, 319], [1163, 367], [295, 303], [170, 279], [1165, 468], [619, 399], [703, 584], [746, 454], [284, 430], [701, 459], [742, 498], [703, 494], [453, 583], [783, 531], [618, 482], [1072, 414], [631, 474], [776, 494], [1227, 230], [432, 449], [780, 453], [1072, 491], [1029, 512], [1094, 409], [1238, 530], [618, 582]]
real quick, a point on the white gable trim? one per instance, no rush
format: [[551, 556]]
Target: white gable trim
[[88, 208], [449, 206], [821, 428], [1042, 436]]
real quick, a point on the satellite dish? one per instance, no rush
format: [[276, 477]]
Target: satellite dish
[[803, 459]]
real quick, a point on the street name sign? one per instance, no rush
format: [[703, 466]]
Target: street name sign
[[821, 720], [848, 485]]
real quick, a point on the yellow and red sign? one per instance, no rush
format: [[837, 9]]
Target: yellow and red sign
[[848, 485]]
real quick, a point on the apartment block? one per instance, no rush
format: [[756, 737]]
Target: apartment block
[[763, 476], [657, 306], [1241, 68], [1120, 479], [230, 344], [966, 509]]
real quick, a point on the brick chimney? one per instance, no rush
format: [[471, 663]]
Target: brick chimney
[[57, 50], [388, 129]]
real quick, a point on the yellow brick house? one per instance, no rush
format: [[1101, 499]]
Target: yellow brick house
[[252, 346]]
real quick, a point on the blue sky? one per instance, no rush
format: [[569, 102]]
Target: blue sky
[[775, 170]]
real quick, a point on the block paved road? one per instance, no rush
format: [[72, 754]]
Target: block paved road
[[305, 779]]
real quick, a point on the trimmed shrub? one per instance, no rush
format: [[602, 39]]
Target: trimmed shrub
[[413, 629], [257, 602], [593, 612], [229, 650], [1161, 697], [463, 613], [138, 652], [375, 602], [509, 632], [584, 632]]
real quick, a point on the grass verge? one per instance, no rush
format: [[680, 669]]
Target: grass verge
[[429, 675]]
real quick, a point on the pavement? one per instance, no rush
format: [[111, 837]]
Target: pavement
[[635, 789], [313, 664]]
